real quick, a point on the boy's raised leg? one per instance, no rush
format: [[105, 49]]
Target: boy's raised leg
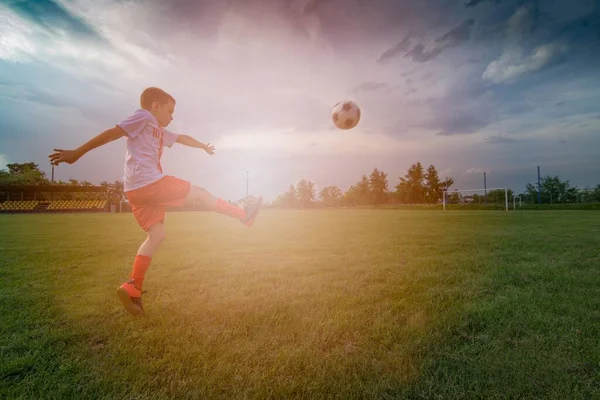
[[251, 212], [246, 215]]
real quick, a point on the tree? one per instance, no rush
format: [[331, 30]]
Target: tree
[[289, 199], [552, 190], [23, 174], [115, 191], [454, 197], [402, 193], [306, 193], [589, 195], [432, 185], [595, 194], [445, 186], [378, 187], [496, 196], [363, 191], [350, 198], [331, 196], [413, 183]]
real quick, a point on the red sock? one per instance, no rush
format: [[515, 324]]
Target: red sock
[[140, 266], [223, 207]]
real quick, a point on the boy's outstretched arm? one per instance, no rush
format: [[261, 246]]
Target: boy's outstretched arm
[[191, 142], [71, 156]]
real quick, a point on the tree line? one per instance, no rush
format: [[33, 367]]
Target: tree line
[[417, 186], [420, 186], [30, 174]]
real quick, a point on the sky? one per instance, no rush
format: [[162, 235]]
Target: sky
[[470, 86]]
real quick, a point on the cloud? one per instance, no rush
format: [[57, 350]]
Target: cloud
[[465, 107], [396, 50], [53, 17], [515, 60], [457, 35], [58, 40], [371, 87], [32, 94], [499, 140], [287, 142], [512, 65], [453, 38], [474, 171], [521, 23], [473, 3], [460, 121], [312, 5], [258, 79], [420, 53]]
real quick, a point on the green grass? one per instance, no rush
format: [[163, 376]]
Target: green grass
[[315, 304]]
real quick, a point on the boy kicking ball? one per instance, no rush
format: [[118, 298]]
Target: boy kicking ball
[[148, 190]]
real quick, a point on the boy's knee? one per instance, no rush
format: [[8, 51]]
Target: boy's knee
[[201, 194], [197, 193], [157, 233]]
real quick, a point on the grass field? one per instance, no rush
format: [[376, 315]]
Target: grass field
[[315, 304]]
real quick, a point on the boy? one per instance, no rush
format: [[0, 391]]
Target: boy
[[148, 190]]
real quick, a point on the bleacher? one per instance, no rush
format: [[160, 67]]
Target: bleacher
[[53, 198], [53, 206], [18, 205], [76, 205]]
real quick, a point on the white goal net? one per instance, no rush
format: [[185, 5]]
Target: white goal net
[[476, 199]]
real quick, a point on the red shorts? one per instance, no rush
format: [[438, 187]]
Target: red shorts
[[149, 203]]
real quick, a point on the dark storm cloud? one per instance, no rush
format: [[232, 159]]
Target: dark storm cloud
[[52, 16], [457, 35], [473, 3], [585, 28], [466, 108], [397, 50], [453, 38]]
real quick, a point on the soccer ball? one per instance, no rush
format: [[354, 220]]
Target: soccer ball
[[345, 114]]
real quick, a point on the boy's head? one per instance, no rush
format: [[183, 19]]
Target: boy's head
[[160, 103]]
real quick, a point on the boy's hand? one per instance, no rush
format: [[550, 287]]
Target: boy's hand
[[68, 156], [209, 149], [187, 140]]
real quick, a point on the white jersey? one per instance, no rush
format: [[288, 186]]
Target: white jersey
[[145, 142]]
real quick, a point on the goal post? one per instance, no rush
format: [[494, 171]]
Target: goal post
[[476, 199]]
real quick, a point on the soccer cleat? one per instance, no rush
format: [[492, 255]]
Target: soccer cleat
[[131, 297], [251, 212]]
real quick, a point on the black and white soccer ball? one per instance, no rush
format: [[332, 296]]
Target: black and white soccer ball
[[345, 114]]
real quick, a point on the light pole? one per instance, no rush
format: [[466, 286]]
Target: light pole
[[246, 183], [485, 187], [52, 193]]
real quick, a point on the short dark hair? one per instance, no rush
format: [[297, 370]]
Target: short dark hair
[[152, 94]]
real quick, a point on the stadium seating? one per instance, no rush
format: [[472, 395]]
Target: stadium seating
[[76, 205], [56, 205], [18, 205]]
